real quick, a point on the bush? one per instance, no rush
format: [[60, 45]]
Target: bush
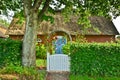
[[98, 59], [41, 51], [66, 48], [10, 52]]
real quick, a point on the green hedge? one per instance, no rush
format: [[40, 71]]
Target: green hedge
[[10, 52], [95, 59]]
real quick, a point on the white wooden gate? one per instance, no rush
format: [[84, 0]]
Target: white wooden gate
[[58, 62]]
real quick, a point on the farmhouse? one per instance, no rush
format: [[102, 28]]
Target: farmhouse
[[102, 30]]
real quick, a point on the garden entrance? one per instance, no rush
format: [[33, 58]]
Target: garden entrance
[[56, 59]]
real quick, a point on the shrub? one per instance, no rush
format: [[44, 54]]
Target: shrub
[[98, 59], [118, 41], [66, 48], [41, 51], [10, 52]]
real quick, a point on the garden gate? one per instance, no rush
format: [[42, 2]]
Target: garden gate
[[58, 61]]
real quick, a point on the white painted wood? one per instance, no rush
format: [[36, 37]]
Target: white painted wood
[[58, 62], [48, 54]]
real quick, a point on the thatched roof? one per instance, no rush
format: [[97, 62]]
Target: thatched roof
[[15, 28], [2, 35], [2, 26], [3, 30], [105, 26]]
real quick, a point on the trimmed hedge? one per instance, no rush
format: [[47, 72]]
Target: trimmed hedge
[[95, 59], [10, 52]]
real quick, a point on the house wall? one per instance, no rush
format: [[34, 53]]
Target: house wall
[[16, 37], [97, 38], [89, 38], [41, 38], [100, 38]]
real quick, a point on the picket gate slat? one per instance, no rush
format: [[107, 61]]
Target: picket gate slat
[[58, 62]]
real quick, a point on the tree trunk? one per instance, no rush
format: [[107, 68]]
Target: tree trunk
[[29, 41]]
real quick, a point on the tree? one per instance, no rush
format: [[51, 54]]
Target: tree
[[34, 10]]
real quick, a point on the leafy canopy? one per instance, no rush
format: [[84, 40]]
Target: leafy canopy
[[81, 8], [97, 7], [13, 5]]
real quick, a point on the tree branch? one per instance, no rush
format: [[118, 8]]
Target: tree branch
[[46, 5], [27, 6], [27, 3], [37, 4]]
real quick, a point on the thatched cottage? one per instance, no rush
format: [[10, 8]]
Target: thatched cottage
[[107, 30]]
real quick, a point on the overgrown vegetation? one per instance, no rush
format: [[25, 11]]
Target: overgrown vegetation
[[66, 48], [87, 59], [10, 52], [41, 51], [4, 22], [24, 73], [10, 61], [118, 40], [95, 59], [41, 63], [80, 77], [20, 17]]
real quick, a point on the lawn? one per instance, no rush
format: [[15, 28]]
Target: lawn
[[78, 77]]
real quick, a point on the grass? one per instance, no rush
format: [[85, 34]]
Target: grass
[[8, 77], [41, 74], [79, 77], [19, 73]]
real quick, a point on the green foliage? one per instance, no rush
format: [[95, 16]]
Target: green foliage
[[41, 51], [47, 18], [66, 48], [78, 77], [118, 41], [10, 52], [32, 7], [24, 72], [41, 62], [4, 22], [98, 59], [13, 5], [20, 16], [80, 39], [95, 7], [11, 69]]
